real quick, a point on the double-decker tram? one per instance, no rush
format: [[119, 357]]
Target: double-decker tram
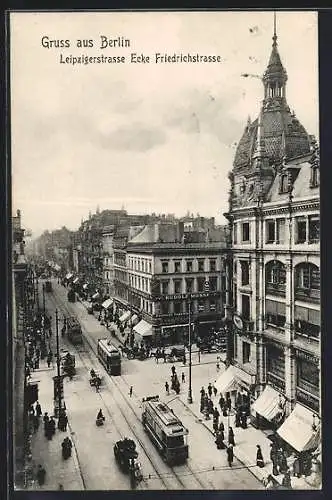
[[110, 356], [74, 331], [165, 430]]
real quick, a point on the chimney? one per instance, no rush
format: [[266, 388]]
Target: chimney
[[179, 231]]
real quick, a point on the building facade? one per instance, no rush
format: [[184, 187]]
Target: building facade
[[168, 268], [274, 221]]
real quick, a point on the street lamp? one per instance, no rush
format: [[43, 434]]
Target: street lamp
[[57, 379]]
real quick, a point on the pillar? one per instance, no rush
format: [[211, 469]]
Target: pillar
[[290, 378], [260, 348]]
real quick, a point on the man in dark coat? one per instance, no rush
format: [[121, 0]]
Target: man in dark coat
[[274, 458], [230, 455], [210, 390], [231, 436], [259, 457], [221, 402], [41, 473], [52, 426], [46, 419], [38, 409]]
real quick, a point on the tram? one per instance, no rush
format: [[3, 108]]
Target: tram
[[165, 430], [74, 331], [109, 356]]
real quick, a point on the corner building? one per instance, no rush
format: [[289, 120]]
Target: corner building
[[275, 223]]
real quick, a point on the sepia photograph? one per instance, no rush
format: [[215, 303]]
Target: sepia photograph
[[165, 267]]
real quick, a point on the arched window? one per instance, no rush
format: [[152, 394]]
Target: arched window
[[275, 278], [307, 281]]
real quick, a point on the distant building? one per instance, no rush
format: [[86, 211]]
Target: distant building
[[168, 266]]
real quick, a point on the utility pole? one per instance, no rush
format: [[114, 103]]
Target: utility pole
[[58, 382], [44, 299], [190, 395]]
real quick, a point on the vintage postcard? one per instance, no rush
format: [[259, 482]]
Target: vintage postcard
[[166, 250]]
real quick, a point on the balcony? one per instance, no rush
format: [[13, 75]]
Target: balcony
[[307, 295]]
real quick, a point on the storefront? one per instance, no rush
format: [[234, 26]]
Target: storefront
[[307, 379], [268, 410], [143, 332], [300, 433], [235, 381], [275, 366]]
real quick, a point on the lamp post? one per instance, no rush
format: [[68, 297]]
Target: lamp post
[[44, 299], [58, 382], [190, 395]]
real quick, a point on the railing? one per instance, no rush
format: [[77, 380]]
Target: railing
[[307, 294], [276, 289]]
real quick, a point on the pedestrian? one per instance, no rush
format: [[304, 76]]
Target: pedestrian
[[218, 367], [210, 406], [220, 441], [52, 426], [35, 422], [215, 391], [167, 388], [38, 409], [164, 355], [231, 436], [60, 487], [259, 457], [282, 461], [243, 417], [274, 458], [225, 410], [221, 402], [173, 370], [41, 473], [228, 401], [183, 377], [296, 468], [286, 480], [210, 389], [237, 418], [46, 419], [221, 427], [202, 391], [131, 391], [230, 455]]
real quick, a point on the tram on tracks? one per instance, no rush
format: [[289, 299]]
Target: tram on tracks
[[110, 356], [74, 331], [165, 430]]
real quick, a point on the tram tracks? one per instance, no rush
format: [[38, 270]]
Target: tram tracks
[[163, 477]]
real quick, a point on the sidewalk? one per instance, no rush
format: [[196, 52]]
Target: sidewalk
[[48, 453], [245, 443]]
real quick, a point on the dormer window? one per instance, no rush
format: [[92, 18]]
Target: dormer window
[[283, 187], [314, 179]]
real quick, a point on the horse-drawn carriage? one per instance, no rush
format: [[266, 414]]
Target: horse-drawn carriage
[[171, 353], [135, 352], [126, 456], [95, 379], [67, 362]]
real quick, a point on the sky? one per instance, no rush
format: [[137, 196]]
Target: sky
[[147, 137]]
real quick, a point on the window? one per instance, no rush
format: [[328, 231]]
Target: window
[[275, 313], [189, 266], [212, 305], [314, 180], [307, 321], [149, 267], [189, 285], [177, 286], [245, 307], [177, 267], [245, 231], [307, 373], [177, 307], [280, 230], [200, 265], [164, 287], [270, 231], [213, 283], [201, 306], [301, 227], [246, 348], [164, 306], [314, 225], [235, 233], [212, 265], [200, 284], [275, 273], [307, 276], [164, 267], [244, 272], [284, 185]]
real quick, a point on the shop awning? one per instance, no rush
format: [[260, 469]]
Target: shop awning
[[75, 281], [57, 267], [107, 303], [143, 328], [227, 381], [85, 286], [69, 276], [95, 296], [267, 404], [297, 430], [125, 316]]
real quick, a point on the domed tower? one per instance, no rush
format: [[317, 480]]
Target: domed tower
[[275, 136]]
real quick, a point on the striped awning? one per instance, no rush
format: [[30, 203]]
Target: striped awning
[[69, 276], [268, 403], [143, 328], [125, 316], [297, 430]]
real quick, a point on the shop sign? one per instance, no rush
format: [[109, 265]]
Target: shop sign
[[306, 356], [185, 296], [307, 399]]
